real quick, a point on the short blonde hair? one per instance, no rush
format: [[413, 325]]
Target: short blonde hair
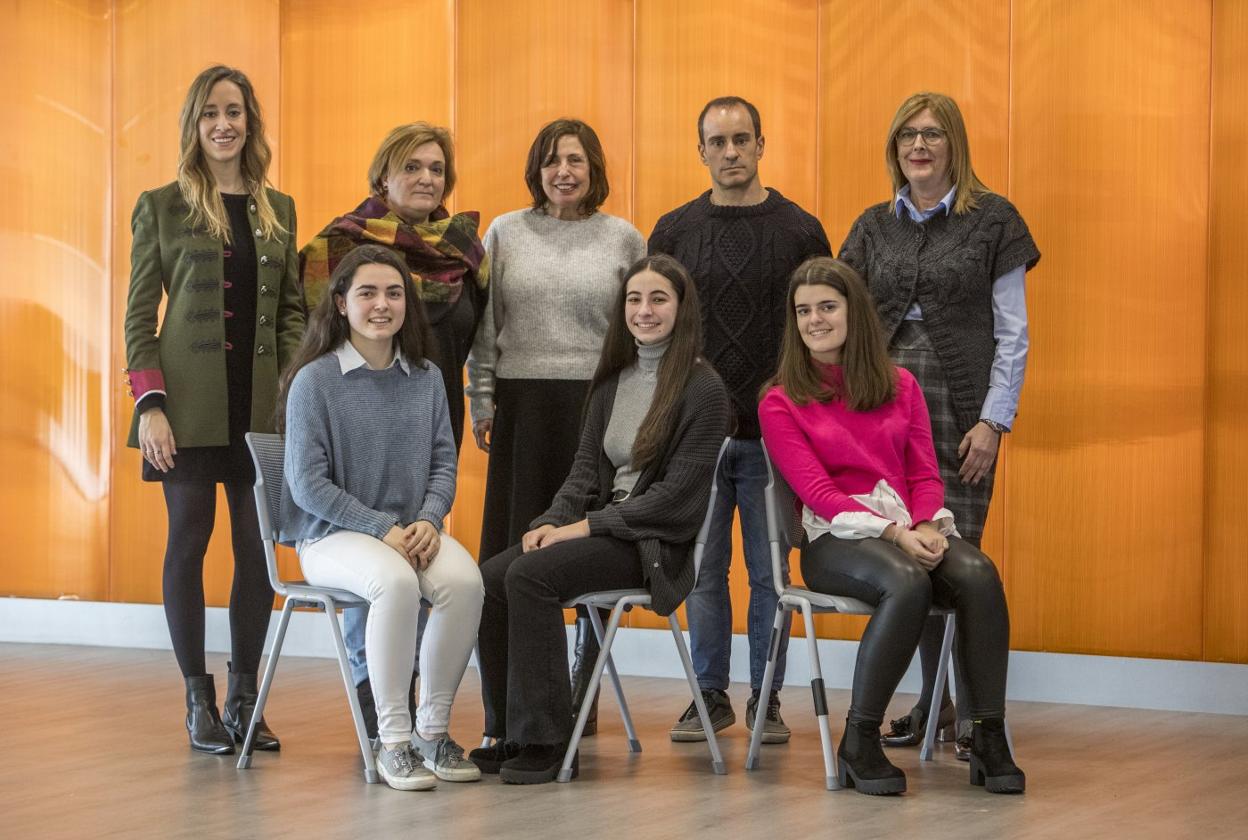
[[399, 145], [945, 110]]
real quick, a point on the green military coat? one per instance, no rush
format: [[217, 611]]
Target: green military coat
[[185, 358]]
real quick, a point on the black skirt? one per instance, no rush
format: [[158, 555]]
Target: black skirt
[[537, 426]]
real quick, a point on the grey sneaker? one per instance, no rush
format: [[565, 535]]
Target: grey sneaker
[[718, 708], [402, 768], [446, 759], [774, 729]]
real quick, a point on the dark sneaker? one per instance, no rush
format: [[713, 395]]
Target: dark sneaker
[[774, 729], [718, 708], [536, 764], [446, 759], [402, 768], [490, 758]]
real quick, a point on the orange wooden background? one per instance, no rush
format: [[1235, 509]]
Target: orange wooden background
[[1115, 127]]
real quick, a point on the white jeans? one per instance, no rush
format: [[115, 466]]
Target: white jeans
[[371, 569]]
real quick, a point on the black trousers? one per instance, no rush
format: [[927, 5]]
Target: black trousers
[[522, 645], [902, 592], [192, 510]]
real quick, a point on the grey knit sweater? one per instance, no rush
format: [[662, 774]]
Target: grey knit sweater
[[366, 450], [552, 283], [633, 397]]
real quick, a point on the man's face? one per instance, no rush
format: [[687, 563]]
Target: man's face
[[729, 149]]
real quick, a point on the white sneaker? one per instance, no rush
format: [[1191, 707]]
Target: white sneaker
[[446, 759], [402, 768]]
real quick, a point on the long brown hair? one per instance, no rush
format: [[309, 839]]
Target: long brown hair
[[543, 151], [619, 350], [870, 377], [328, 328], [195, 181], [967, 185]]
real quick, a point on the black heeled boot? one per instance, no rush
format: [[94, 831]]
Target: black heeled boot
[[992, 765], [240, 704], [861, 762], [203, 724], [585, 654], [909, 731]]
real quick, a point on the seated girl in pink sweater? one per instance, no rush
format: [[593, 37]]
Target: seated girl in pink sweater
[[850, 433]]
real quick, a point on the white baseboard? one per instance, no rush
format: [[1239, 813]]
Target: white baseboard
[[1173, 685]]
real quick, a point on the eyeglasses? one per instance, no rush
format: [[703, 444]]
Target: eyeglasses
[[931, 136]]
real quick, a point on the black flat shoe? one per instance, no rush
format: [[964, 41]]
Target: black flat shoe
[[908, 731], [490, 759], [536, 764], [240, 704], [992, 765], [861, 763], [203, 724]]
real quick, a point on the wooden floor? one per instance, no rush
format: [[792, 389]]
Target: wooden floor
[[93, 746]]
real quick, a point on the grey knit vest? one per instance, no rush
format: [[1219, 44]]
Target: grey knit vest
[[947, 264]]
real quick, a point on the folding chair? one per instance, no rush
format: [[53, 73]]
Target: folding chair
[[620, 601], [784, 529], [267, 452]]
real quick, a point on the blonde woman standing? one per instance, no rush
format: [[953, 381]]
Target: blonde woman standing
[[221, 245]]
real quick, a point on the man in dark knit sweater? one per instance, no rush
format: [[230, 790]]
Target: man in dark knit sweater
[[741, 242]]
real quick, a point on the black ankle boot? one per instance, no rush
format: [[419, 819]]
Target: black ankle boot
[[585, 654], [203, 724], [536, 764], [240, 703], [861, 762], [992, 765]]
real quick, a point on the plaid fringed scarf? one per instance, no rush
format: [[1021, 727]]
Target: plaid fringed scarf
[[439, 253]]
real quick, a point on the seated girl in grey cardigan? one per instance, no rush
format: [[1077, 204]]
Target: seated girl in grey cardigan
[[370, 475], [626, 516]]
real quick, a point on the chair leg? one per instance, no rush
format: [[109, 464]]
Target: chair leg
[[595, 680], [244, 760], [942, 671], [821, 700], [717, 758], [769, 673], [634, 745], [366, 749]]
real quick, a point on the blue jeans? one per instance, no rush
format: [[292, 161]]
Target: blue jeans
[[742, 477], [353, 622]]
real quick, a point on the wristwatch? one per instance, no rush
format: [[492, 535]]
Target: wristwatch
[[995, 426]]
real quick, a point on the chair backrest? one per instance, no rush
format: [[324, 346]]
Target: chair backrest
[[784, 522], [699, 544], [268, 453]]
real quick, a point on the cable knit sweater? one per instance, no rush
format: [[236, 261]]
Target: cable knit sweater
[[828, 452], [741, 259]]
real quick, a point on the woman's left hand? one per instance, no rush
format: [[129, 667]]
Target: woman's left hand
[[423, 544], [978, 451], [575, 531]]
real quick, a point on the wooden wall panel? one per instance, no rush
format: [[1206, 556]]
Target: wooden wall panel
[[159, 49], [1109, 164], [54, 324], [1226, 572], [871, 57], [680, 66]]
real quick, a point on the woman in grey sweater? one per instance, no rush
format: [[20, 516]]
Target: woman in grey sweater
[[370, 475], [626, 515]]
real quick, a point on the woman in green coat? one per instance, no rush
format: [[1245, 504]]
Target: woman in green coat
[[221, 246]]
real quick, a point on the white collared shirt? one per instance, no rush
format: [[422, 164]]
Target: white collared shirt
[[349, 359]]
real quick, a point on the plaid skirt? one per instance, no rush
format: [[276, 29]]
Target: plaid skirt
[[912, 349]]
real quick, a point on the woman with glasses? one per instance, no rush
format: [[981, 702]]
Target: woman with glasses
[[945, 260]]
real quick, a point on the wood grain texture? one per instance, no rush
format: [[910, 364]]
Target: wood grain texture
[[1109, 166], [159, 48], [1226, 449], [54, 326]]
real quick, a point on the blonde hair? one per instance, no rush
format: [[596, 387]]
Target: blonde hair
[[400, 144], [195, 181], [966, 183]]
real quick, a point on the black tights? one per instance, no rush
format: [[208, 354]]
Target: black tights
[[902, 592], [192, 511]]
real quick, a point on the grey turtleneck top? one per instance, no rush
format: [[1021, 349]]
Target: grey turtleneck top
[[632, 401]]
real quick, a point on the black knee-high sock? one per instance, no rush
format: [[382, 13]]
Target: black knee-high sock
[[192, 509], [251, 597]]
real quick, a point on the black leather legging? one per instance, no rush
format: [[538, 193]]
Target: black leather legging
[[902, 592]]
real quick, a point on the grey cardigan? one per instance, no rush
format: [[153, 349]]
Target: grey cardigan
[[668, 503]]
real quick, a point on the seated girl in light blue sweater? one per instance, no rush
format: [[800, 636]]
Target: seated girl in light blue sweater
[[370, 475]]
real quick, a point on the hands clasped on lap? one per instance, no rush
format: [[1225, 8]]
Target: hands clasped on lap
[[924, 543], [545, 536], [418, 542]]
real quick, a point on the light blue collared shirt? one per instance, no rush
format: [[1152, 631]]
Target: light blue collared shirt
[[1009, 323]]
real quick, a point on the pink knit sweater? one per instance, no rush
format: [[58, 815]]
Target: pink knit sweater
[[828, 453]]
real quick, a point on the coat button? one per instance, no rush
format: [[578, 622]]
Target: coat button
[[260, 351], [252, 207], [258, 232], [264, 290], [264, 260], [264, 320]]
